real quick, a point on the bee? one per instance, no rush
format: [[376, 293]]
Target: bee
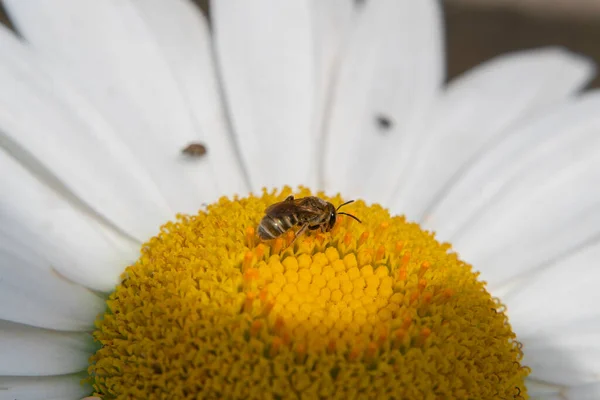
[[308, 213], [194, 150]]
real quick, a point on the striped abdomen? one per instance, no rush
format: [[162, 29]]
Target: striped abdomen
[[273, 227]]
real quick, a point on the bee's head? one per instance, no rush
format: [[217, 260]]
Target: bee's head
[[333, 214]]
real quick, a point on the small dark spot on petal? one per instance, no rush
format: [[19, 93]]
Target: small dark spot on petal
[[383, 122], [194, 150]]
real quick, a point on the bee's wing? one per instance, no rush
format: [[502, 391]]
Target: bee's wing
[[280, 208], [303, 206]]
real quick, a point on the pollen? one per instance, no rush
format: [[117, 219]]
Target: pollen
[[372, 310]]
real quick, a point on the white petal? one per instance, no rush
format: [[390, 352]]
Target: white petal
[[541, 199], [28, 351], [474, 113], [554, 315], [106, 50], [333, 21], [62, 387], [542, 390], [553, 396], [566, 360], [583, 392], [32, 293], [559, 296], [183, 35], [39, 114], [393, 69], [548, 396], [267, 57], [489, 174], [77, 246]]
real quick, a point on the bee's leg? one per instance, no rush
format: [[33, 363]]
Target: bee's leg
[[289, 198], [299, 233]]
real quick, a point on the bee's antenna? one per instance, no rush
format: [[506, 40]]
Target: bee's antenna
[[351, 216], [343, 213], [342, 205]]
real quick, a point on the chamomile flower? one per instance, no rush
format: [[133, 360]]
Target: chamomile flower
[[134, 266]]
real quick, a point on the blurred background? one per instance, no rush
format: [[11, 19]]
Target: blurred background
[[480, 29], [477, 30]]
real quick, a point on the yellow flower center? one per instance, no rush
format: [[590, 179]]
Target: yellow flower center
[[375, 310]]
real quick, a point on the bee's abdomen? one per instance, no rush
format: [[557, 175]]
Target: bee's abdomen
[[271, 228]]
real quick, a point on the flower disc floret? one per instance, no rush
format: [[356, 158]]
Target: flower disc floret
[[372, 310]]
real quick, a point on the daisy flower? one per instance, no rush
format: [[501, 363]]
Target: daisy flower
[[119, 120]]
